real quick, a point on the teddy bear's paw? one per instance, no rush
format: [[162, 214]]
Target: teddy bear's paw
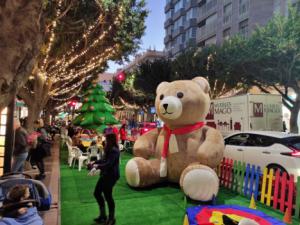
[[200, 183], [132, 173], [248, 222]]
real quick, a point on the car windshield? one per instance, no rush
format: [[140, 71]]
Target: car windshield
[[293, 142]]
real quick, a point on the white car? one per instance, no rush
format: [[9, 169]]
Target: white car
[[276, 150]]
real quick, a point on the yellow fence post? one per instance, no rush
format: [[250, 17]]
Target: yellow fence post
[[263, 189]]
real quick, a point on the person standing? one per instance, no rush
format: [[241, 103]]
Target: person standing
[[123, 134], [110, 173], [20, 151]]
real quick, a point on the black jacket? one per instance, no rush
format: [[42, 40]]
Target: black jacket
[[21, 145], [110, 165]]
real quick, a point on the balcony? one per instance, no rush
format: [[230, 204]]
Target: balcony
[[190, 23], [178, 31], [168, 6], [207, 30], [167, 38], [191, 4], [168, 22], [178, 14]]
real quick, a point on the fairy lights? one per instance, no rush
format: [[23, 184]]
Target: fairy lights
[[52, 36], [69, 71]]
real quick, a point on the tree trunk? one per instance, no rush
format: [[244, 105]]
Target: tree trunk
[[34, 111], [21, 36], [46, 116], [37, 99], [294, 116]]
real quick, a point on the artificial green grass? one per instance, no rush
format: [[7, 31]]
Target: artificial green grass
[[164, 205]]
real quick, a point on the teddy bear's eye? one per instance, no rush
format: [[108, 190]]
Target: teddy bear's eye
[[161, 97], [180, 95]]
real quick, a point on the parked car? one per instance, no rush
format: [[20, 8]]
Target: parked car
[[146, 126], [274, 150]]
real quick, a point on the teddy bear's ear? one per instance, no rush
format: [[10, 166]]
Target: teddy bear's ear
[[203, 83], [161, 86]]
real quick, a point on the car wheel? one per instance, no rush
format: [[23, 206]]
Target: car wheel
[[276, 167]]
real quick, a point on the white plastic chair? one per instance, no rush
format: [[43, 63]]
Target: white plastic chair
[[79, 156], [71, 153], [93, 151]]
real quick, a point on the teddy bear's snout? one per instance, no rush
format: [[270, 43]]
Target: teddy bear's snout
[[170, 107]]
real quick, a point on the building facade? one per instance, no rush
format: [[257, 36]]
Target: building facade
[[205, 22], [149, 55]]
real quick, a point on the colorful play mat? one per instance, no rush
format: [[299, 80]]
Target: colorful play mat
[[227, 214]]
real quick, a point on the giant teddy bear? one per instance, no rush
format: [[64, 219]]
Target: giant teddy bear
[[184, 151]]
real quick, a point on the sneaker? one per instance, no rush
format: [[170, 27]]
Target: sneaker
[[100, 219], [110, 222]]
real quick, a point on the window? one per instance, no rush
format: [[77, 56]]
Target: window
[[243, 28], [227, 12], [178, 6], [210, 4], [239, 139], [169, 14], [169, 30], [226, 34], [210, 24], [191, 33], [262, 141], [3, 117], [192, 13], [183, 37], [211, 41], [183, 20], [177, 24], [243, 7]]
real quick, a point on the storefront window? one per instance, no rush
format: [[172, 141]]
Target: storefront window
[[2, 138]]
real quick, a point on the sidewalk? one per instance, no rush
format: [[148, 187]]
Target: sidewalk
[[52, 181]]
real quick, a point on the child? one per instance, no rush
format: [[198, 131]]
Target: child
[[16, 212]]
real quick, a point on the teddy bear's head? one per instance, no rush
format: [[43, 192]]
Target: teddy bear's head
[[182, 102]]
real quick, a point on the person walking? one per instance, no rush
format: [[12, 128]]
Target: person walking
[[40, 151], [20, 151], [110, 173]]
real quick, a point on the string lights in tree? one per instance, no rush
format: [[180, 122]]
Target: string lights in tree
[[70, 62], [52, 36]]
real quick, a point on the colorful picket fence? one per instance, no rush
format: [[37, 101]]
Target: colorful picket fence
[[272, 188]]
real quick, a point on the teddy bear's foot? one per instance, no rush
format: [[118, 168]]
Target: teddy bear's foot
[[141, 172], [248, 222], [199, 182]]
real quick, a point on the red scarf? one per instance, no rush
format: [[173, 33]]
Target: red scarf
[[182, 130]]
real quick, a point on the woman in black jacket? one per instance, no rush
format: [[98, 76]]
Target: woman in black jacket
[[109, 175]]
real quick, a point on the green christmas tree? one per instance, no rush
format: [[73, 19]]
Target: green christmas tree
[[96, 112]]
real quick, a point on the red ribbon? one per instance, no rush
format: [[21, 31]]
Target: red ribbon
[[182, 130]]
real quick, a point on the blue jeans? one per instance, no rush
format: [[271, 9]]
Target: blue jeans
[[18, 162]]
